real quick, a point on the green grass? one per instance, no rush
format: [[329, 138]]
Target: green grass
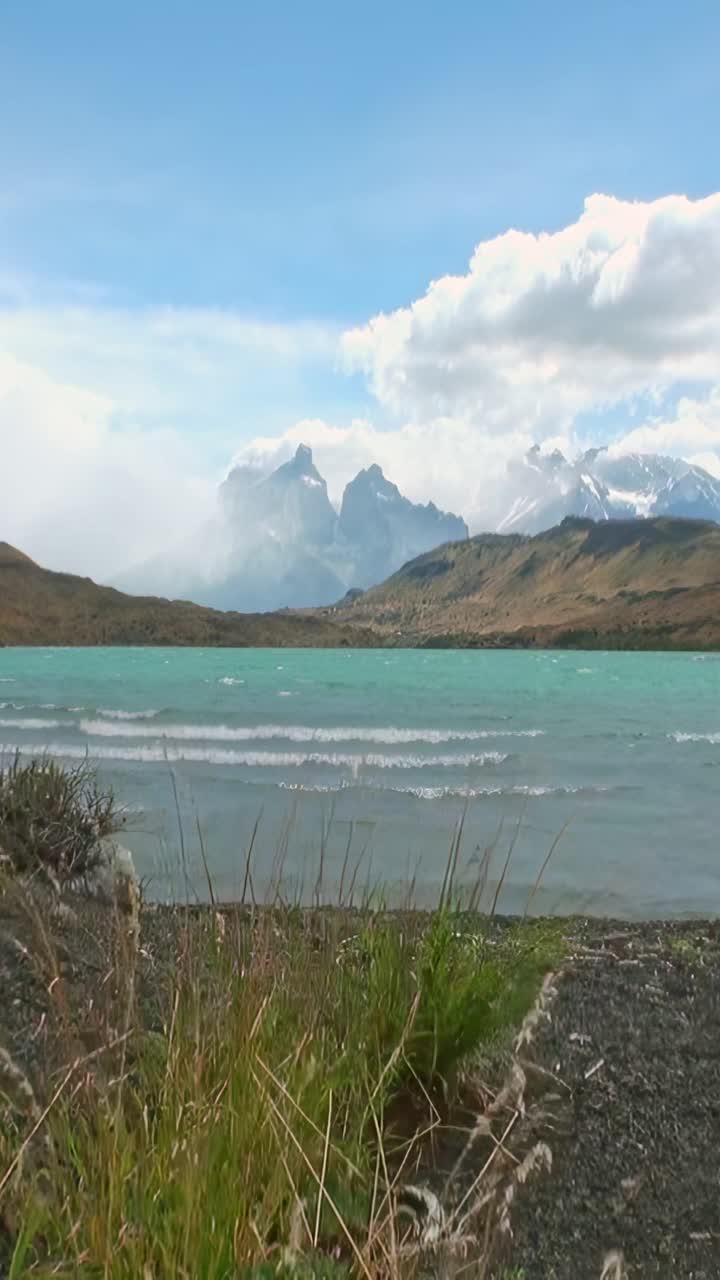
[[261, 1129]]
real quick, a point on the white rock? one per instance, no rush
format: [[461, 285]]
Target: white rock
[[115, 880]]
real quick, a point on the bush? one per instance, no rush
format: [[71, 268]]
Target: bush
[[52, 819]]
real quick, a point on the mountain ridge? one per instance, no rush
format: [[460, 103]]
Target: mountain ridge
[[604, 485], [633, 583], [42, 607]]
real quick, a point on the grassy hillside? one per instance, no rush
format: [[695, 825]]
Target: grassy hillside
[[617, 584], [41, 607]]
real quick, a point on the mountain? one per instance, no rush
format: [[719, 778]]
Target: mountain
[[630, 584], [602, 486], [40, 607], [633, 583], [384, 528], [291, 504], [277, 541]]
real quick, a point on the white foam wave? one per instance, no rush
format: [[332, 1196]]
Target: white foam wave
[[41, 706], [230, 680], [7, 680], [30, 724], [113, 714], [449, 793], [713, 738], [159, 752], [388, 736]]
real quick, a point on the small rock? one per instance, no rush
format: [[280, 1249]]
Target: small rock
[[115, 880]]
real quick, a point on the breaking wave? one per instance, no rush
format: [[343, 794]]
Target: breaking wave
[[160, 752], [29, 724], [388, 736], [113, 714], [713, 738], [461, 792]]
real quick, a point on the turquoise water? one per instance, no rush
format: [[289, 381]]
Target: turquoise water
[[375, 754]]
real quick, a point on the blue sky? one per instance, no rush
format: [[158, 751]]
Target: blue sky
[[298, 168], [327, 160]]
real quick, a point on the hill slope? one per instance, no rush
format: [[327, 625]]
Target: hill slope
[[651, 583], [40, 607]]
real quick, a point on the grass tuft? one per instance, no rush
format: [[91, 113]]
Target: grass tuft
[[53, 818], [252, 1132]]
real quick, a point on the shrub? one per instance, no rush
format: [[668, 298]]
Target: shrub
[[52, 819]]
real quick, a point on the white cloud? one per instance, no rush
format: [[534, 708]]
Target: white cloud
[[77, 492], [163, 360], [114, 424], [623, 302], [692, 433]]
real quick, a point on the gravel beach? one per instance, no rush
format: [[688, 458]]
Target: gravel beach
[[634, 1036]]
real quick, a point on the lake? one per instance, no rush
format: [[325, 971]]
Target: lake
[[368, 759]]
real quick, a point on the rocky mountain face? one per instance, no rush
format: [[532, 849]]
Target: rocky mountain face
[[291, 504], [603, 486], [385, 528], [277, 541]]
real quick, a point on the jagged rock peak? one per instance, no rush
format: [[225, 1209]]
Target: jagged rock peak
[[303, 459]]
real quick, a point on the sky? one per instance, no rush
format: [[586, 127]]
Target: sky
[[420, 234]]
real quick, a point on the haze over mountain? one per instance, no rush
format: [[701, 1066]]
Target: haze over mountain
[[277, 541]]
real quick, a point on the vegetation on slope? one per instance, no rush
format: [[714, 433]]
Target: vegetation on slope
[[627, 584], [615, 584], [39, 607]]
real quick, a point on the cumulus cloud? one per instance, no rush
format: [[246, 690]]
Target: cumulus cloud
[[623, 302]]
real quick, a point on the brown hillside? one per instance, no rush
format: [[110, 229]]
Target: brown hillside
[[39, 607], [11, 555], [620, 584]]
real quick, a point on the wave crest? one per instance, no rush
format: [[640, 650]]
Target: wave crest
[[161, 752], [713, 738], [384, 735]]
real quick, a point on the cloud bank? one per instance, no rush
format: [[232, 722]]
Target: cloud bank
[[77, 493], [113, 422]]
